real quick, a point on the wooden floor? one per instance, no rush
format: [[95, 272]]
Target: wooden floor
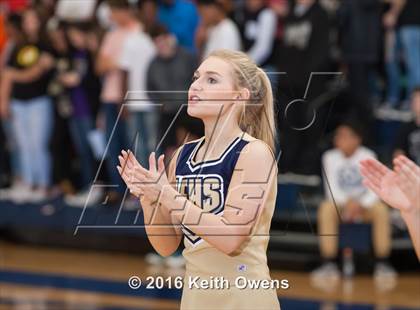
[[44, 278]]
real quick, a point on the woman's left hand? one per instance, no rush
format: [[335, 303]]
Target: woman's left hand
[[147, 184]]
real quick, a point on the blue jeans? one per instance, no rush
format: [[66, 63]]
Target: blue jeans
[[79, 130], [116, 137], [32, 122], [145, 124], [410, 39], [12, 148], [392, 51]]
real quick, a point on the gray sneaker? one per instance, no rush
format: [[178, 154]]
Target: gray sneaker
[[384, 271], [88, 198], [328, 271], [384, 276]]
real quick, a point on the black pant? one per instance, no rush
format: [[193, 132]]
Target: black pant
[[300, 127]]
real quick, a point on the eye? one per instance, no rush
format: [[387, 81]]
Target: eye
[[211, 80], [194, 78]]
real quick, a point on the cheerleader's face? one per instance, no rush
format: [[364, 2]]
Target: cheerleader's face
[[212, 92]]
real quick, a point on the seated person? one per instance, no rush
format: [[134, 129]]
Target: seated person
[[348, 200]]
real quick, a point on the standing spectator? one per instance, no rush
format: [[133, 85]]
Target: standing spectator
[[113, 89], [406, 15], [216, 30], [142, 118], [257, 25], [392, 53], [60, 141], [281, 10], [26, 80], [360, 36], [148, 12], [181, 18], [168, 80], [408, 139], [13, 30], [304, 50], [350, 200], [171, 70], [83, 86]]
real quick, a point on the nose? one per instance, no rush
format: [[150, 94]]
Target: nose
[[196, 86]]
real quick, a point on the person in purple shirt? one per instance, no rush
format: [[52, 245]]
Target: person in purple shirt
[[83, 87]]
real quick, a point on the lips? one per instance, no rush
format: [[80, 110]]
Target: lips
[[193, 99]]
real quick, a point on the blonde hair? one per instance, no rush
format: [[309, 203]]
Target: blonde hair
[[257, 118]]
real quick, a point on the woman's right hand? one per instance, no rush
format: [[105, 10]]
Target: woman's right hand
[[385, 183], [408, 179], [129, 169]]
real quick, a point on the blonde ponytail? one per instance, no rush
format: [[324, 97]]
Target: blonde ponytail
[[257, 118]]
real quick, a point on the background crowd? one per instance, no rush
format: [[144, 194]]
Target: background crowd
[[80, 79]]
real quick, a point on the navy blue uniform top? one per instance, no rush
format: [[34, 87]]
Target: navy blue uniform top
[[206, 183]]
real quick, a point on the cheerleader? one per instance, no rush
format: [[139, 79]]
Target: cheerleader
[[220, 192]]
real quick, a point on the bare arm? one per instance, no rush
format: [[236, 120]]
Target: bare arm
[[408, 180], [397, 6], [44, 64], [247, 194], [248, 191], [5, 89], [412, 220], [162, 234], [391, 17], [104, 64]]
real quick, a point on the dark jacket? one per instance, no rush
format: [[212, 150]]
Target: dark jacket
[[360, 30], [305, 46]]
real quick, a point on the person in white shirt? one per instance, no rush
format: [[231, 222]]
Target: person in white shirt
[[216, 30], [138, 50], [349, 200], [257, 24]]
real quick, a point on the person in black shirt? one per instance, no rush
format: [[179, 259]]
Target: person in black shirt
[[408, 139], [24, 97], [14, 35], [257, 26], [305, 49]]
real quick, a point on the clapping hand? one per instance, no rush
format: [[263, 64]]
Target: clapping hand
[[146, 184]]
